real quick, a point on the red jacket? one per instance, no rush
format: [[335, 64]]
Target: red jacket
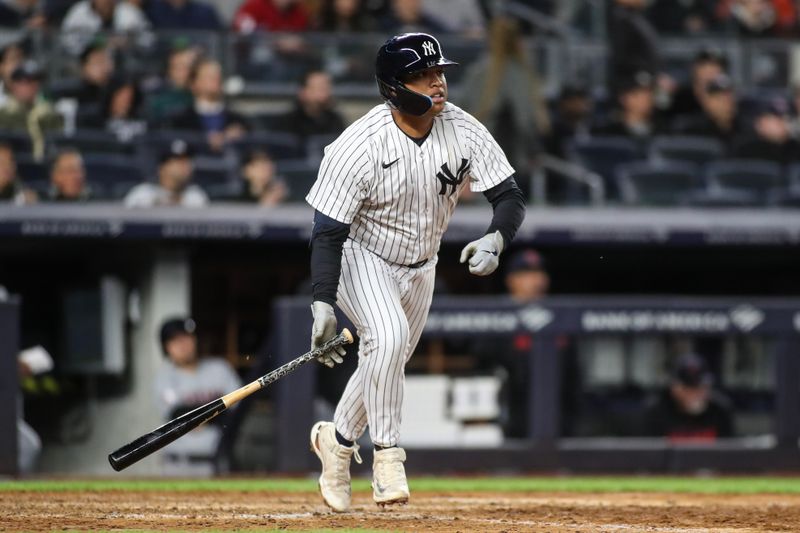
[[262, 14]]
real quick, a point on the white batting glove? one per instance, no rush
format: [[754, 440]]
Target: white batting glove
[[483, 254], [324, 329]]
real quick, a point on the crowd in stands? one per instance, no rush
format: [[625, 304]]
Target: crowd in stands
[[116, 132]]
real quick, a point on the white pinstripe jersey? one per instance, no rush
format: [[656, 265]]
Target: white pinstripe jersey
[[399, 196]]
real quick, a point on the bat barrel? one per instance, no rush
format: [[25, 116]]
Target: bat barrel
[[161, 436]]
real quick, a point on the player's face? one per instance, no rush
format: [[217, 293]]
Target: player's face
[[430, 82], [182, 349]]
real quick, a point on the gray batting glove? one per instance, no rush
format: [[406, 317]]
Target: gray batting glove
[[324, 329], [483, 254]]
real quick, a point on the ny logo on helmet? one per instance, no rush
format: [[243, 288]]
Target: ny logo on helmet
[[447, 179], [428, 48]]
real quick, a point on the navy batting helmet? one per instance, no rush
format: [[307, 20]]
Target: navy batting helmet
[[401, 55]]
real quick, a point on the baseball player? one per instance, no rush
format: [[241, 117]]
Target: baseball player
[[385, 193]]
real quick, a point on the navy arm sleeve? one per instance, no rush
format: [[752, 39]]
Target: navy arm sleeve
[[327, 239], [508, 204]]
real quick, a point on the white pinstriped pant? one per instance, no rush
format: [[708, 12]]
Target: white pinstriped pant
[[389, 305]]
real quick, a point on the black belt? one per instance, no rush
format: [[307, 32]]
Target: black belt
[[417, 264]]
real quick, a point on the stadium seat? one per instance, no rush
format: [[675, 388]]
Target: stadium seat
[[667, 183], [746, 175], [31, 170], [20, 141], [699, 150], [111, 176], [602, 155], [299, 176], [214, 172], [94, 141], [278, 144], [315, 146]]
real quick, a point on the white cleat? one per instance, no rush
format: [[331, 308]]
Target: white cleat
[[389, 485], [334, 482]]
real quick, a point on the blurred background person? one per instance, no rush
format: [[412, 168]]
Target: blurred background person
[[572, 117], [720, 113], [172, 94], [185, 382], [259, 182], [406, 16], [96, 76], [174, 185], [12, 187], [26, 109], [209, 113], [68, 177], [345, 16], [87, 18], [22, 14], [31, 362], [271, 15], [707, 65], [683, 16], [690, 409], [181, 15], [772, 138], [526, 278], [633, 43], [504, 93], [635, 116], [464, 17], [10, 57], [314, 111]]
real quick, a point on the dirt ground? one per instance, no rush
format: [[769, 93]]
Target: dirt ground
[[465, 512]]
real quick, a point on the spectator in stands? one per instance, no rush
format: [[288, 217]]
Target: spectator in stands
[[683, 17], [12, 188], [526, 277], [260, 184], [504, 93], [208, 113], [314, 111], [21, 13], [120, 111], [271, 15], [720, 118], [97, 73], [26, 110], [636, 115], [526, 282], [633, 43], [174, 186], [690, 410], [181, 15], [759, 18], [88, 17], [572, 118], [707, 65], [772, 138], [407, 16], [345, 16], [459, 16], [173, 96], [10, 57], [187, 381], [68, 177]]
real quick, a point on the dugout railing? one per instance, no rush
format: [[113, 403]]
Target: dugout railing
[[463, 318]]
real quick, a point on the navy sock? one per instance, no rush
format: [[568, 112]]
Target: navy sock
[[343, 441], [381, 448]]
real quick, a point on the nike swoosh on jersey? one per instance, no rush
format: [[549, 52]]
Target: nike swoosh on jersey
[[387, 165]]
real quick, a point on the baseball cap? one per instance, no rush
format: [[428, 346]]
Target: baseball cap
[[173, 327], [711, 55], [773, 106], [720, 84], [27, 70], [691, 370], [176, 148], [529, 260], [256, 155], [573, 90], [640, 80]]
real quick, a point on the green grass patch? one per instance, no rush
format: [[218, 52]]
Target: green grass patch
[[688, 484]]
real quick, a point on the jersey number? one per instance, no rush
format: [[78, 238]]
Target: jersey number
[[446, 177]]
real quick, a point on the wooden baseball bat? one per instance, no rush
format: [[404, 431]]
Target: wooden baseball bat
[[176, 428]]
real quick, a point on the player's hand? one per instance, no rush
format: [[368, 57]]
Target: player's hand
[[483, 254], [324, 329]]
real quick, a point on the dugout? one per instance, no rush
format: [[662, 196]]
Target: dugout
[[770, 410]]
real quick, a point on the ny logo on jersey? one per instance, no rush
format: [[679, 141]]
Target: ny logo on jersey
[[428, 48], [447, 179]]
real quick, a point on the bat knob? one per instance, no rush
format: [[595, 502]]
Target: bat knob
[[348, 337]]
